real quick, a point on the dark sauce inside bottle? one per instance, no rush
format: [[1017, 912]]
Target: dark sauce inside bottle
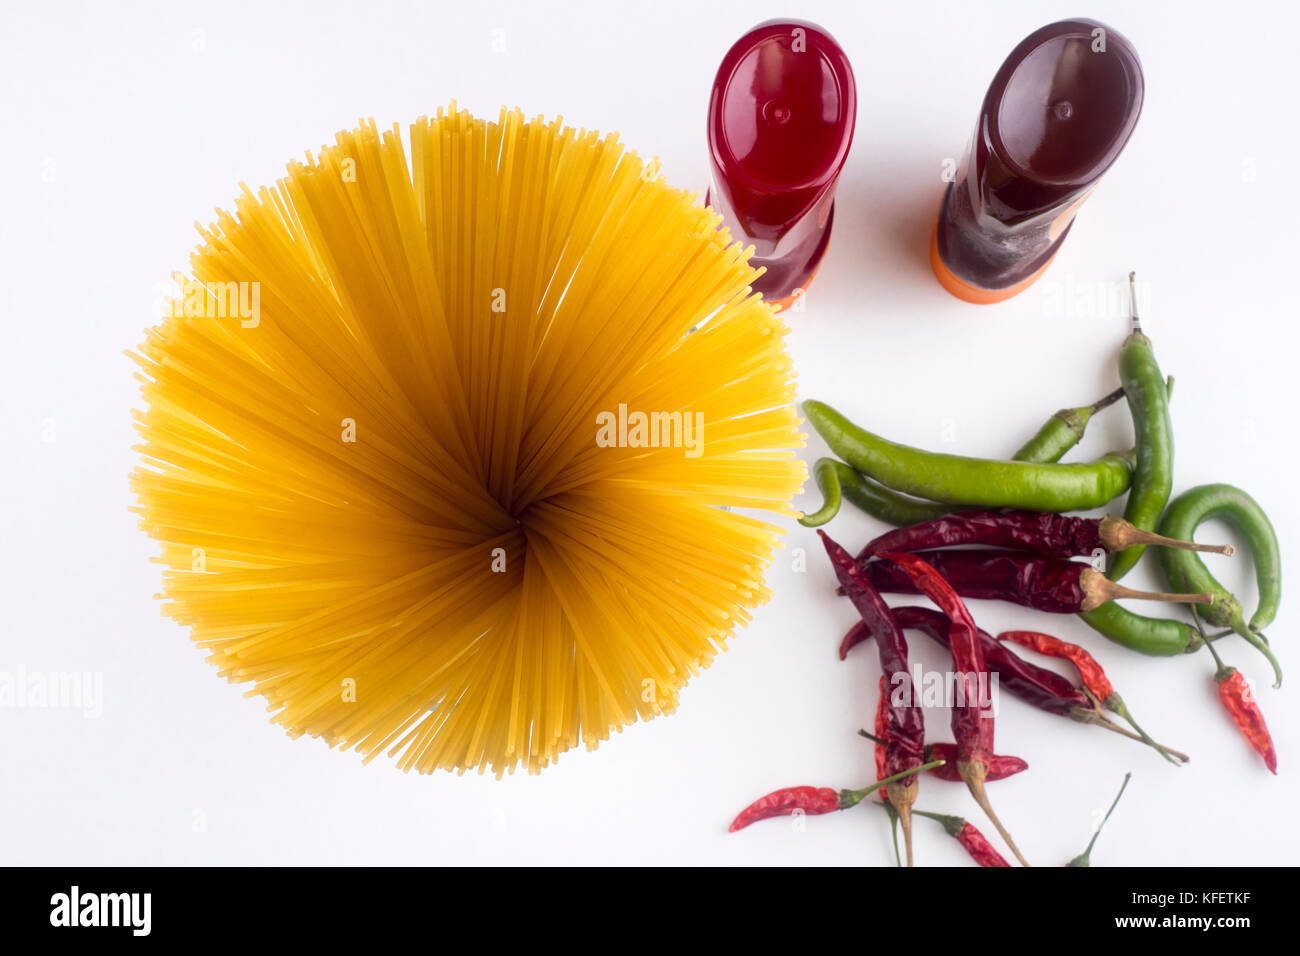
[[1054, 119]]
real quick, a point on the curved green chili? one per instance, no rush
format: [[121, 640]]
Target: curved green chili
[[1158, 636], [1194, 507], [956, 479], [827, 472], [1148, 402], [837, 480]]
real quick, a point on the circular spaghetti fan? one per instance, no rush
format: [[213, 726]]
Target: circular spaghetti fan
[[419, 448]]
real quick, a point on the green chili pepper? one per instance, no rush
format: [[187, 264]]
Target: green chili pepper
[[889, 505], [829, 475], [1185, 514], [1065, 428], [1157, 636], [1063, 431], [1148, 402], [886, 504], [1058, 435], [834, 477], [956, 479]]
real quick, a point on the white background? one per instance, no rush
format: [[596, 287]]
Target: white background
[[126, 124]]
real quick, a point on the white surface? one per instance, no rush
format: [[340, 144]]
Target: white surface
[[146, 118]]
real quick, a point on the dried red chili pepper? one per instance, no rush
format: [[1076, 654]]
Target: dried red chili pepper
[[976, 844], [905, 736], [1043, 688], [1046, 584], [1037, 686], [882, 732], [1085, 858], [1239, 701], [812, 800], [972, 726], [1094, 678], [1000, 765], [879, 743], [1042, 532]]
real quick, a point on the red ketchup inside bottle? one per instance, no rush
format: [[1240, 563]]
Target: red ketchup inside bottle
[[780, 125], [1054, 119]]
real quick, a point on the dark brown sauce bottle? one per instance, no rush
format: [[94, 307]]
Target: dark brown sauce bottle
[[1054, 119]]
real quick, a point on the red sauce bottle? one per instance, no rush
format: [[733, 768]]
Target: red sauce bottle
[[1054, 119], [780, 125]]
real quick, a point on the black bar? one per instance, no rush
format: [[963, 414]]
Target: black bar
[[241, 905]]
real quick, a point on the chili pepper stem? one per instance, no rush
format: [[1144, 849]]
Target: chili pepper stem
[[1221, 670], [1200, 639], [1256, 640], [1133, 302], [849, 798], [950, 823], [1253, 637], [1108, 401], [901, 799], [1115, 704], [1260, 643], [974, 772], [893, 828], [1104, 721], [1116, 534], [1098, 589], [1085, 858]]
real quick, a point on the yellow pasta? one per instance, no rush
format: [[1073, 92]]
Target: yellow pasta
[[456, 448]]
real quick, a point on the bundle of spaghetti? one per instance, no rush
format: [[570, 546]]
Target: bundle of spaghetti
[[371, 442]]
